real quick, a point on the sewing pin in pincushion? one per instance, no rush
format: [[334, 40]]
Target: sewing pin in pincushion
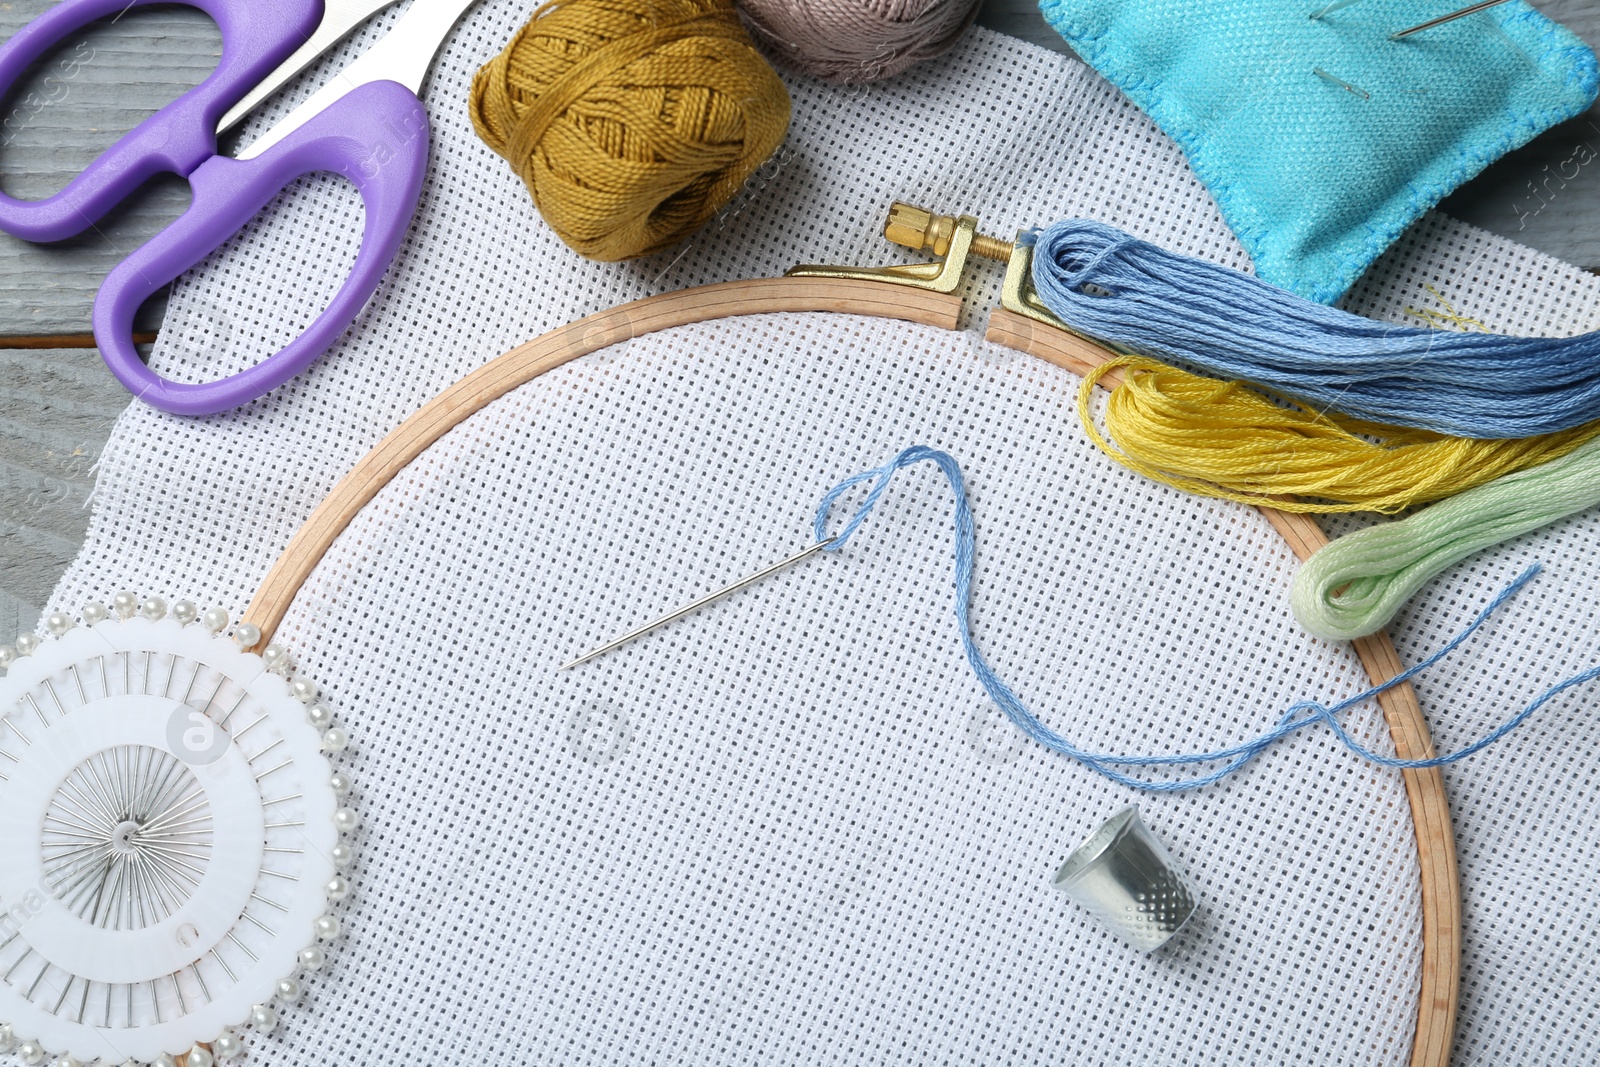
[[1442, 19], [1125, 877]]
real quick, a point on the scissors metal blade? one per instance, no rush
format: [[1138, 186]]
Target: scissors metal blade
[[403, 56], [338, 19]]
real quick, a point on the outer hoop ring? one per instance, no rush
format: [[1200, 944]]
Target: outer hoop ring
[[1439, 994]]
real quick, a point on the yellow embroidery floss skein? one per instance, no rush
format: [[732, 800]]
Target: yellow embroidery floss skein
[[632, 122], [1226, 440]]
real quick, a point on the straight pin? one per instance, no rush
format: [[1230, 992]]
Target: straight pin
[[225, 968], [237, 705], [34, 988], [1442, 19], [172, 831], [1341, 83], [252, 726], [62, 999], [193, 678], [212, 698], [18, 963], [269, 903], [253, 921], [84, 831], [700, 603], [264, 751], [22, 736], [173, 811], [55, 696], [242, 947], [279, 767]]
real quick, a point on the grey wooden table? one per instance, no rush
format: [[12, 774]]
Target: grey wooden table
[[57, 403]]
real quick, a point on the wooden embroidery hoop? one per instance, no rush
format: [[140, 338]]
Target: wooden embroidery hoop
[[924, 294]]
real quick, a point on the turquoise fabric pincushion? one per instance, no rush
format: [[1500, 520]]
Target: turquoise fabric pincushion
[[1317, 175]]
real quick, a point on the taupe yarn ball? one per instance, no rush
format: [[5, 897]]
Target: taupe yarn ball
[[632, 122], [852, 41]]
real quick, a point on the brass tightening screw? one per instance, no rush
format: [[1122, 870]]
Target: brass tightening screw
[[924, 231]]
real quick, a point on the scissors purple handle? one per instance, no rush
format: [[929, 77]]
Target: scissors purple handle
[[257, 35], [372, 130], [377, 137]]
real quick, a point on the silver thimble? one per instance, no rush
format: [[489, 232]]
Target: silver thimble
[[1128, 880]]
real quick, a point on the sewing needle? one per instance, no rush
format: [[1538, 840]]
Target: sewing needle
[[1442, 19], [702, 602]]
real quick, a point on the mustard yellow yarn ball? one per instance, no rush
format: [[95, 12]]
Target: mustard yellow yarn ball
[[632, 122]]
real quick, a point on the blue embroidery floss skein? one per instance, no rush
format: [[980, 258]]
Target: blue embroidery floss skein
[[1133, 294]]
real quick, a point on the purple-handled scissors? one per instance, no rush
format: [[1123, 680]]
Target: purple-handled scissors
[[366, 124]]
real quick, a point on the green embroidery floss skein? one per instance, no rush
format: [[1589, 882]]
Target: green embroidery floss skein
[[1355, 585]]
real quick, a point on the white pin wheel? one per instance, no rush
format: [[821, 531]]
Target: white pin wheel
[[168, 833]]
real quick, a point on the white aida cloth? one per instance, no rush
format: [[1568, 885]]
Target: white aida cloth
[[790, 830]]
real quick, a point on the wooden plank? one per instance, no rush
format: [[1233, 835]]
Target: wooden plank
[[56, 411], [74, 104], [1541, 195]]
